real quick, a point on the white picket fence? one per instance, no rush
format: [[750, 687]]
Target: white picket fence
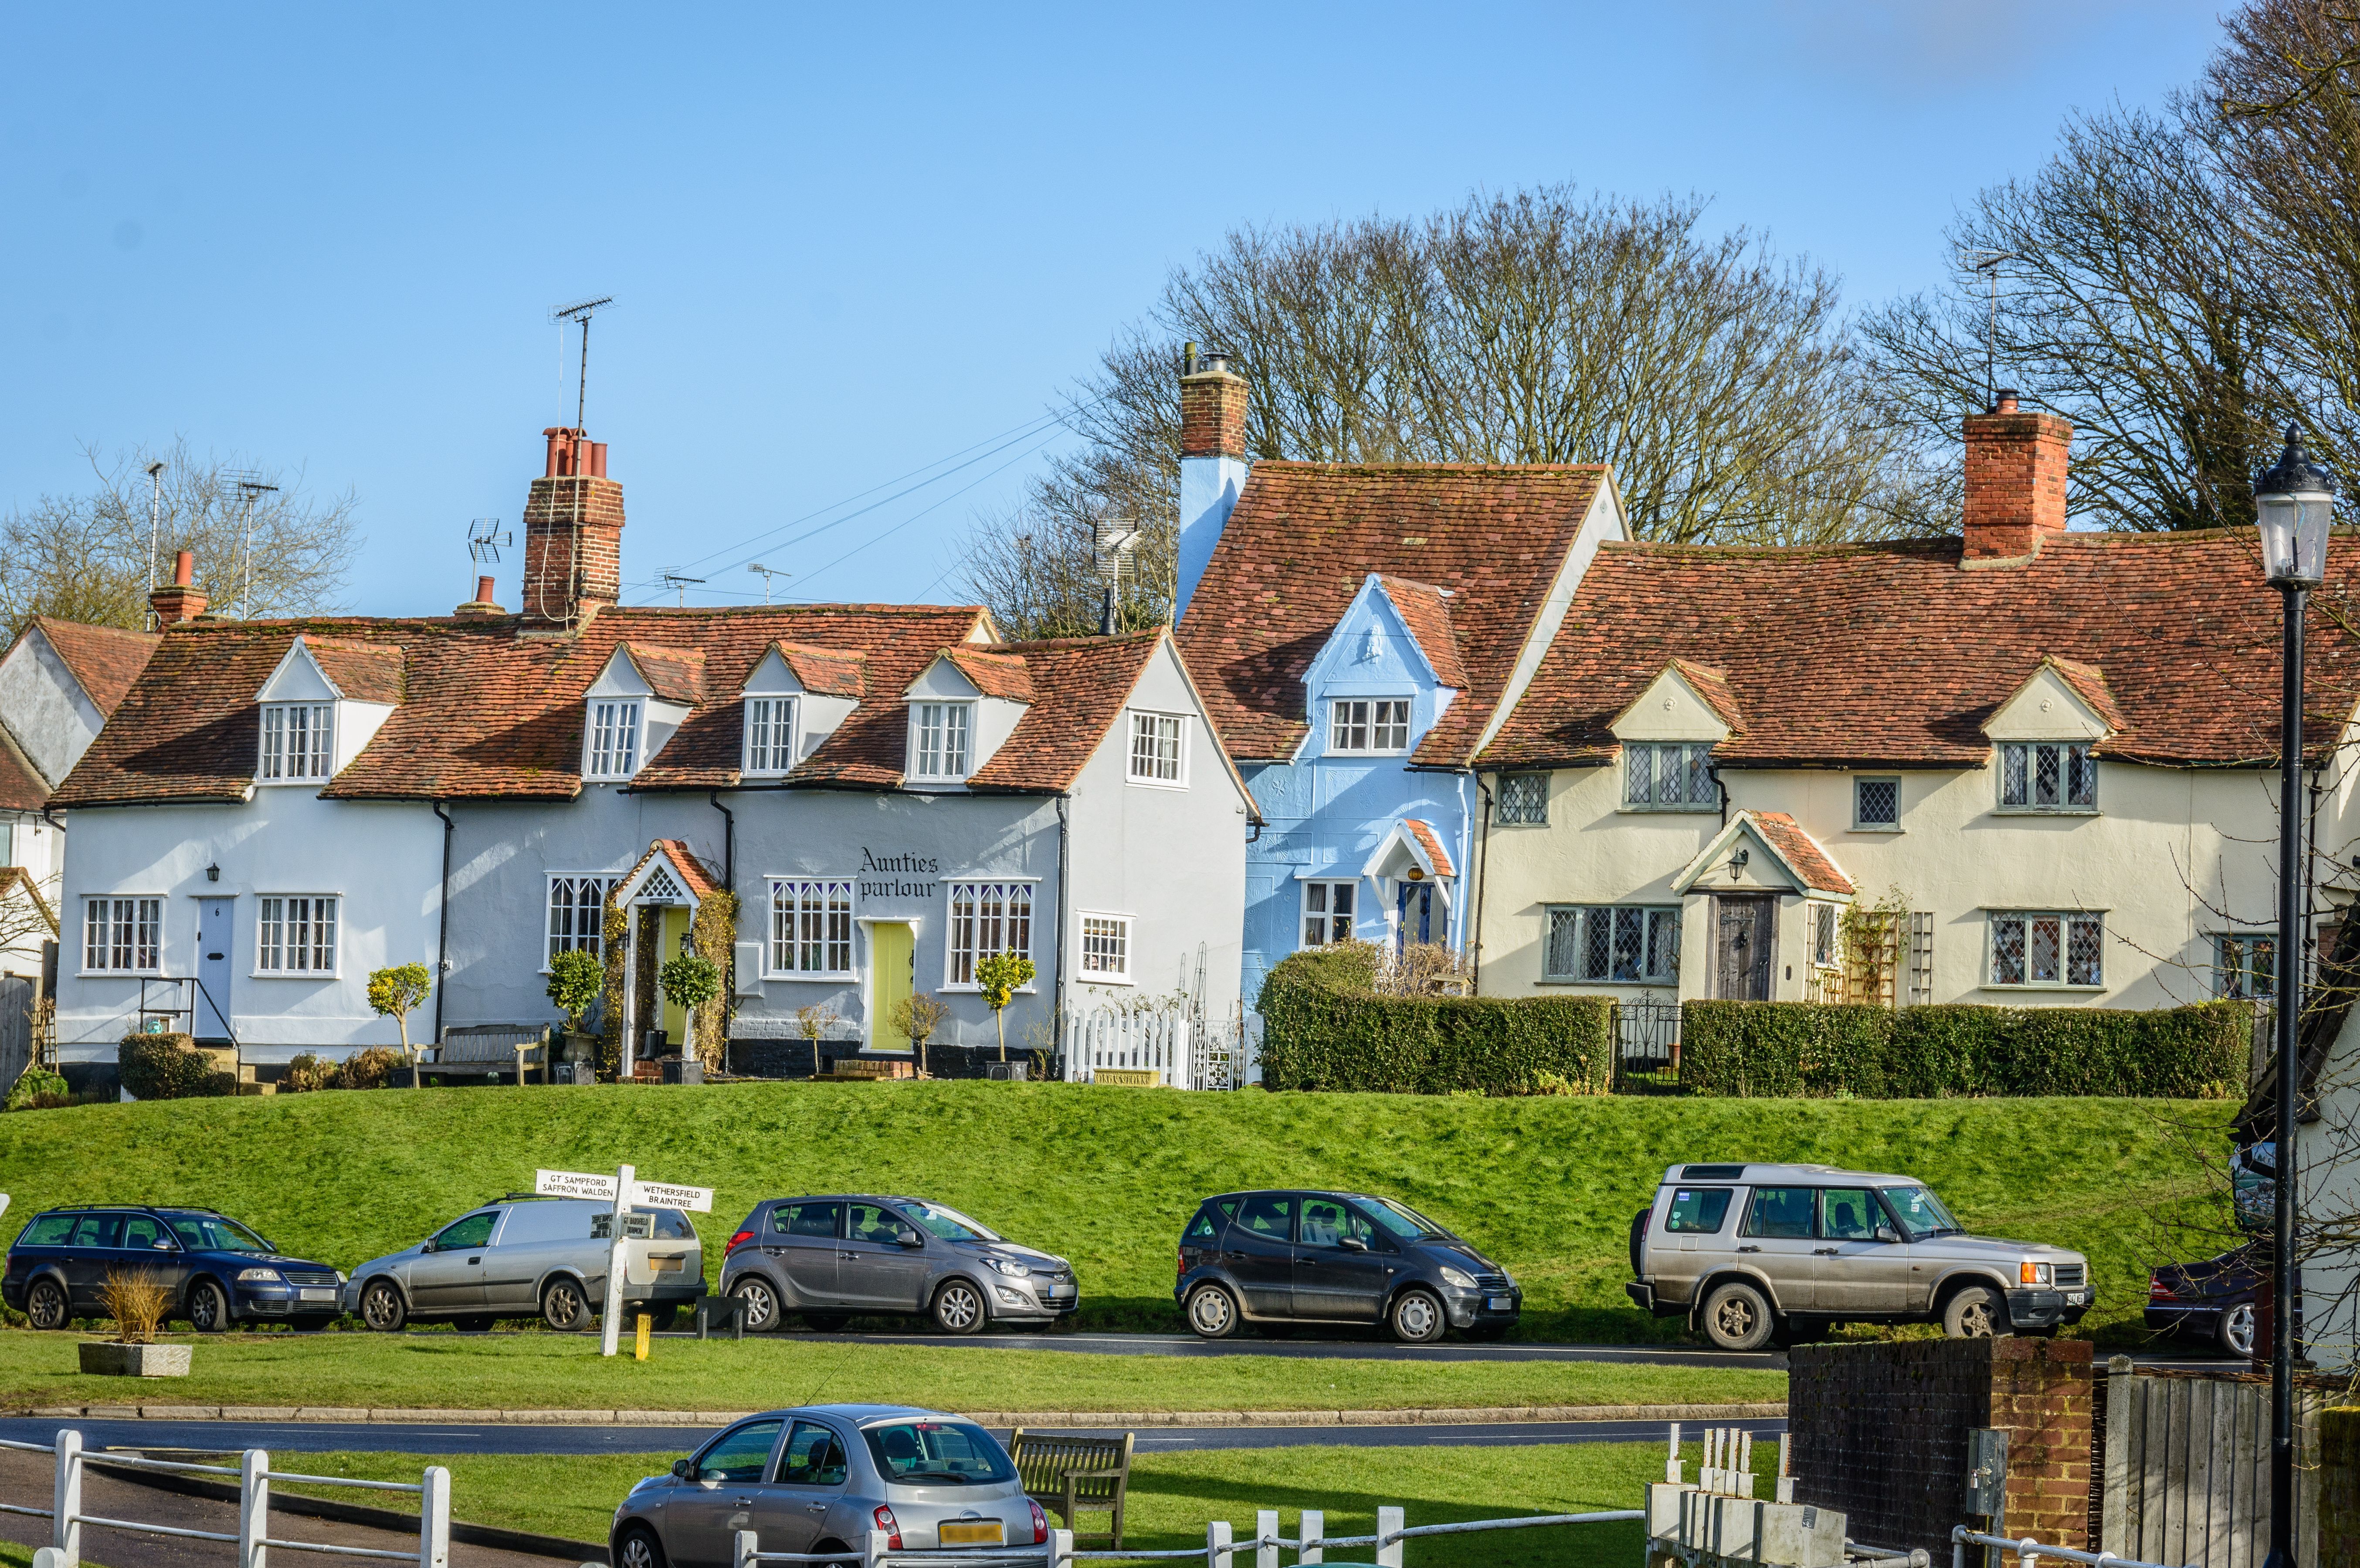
[[254, 1475], [1181, 1052]]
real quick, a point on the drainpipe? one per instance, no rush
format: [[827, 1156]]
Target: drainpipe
[[728, 842], [443, 920], [1483, 869], [1057, 948]]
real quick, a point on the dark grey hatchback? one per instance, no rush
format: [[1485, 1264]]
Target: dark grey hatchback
[[833, 1257], [1273, 1259]]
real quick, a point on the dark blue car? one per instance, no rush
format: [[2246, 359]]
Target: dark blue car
[[217, 1270]]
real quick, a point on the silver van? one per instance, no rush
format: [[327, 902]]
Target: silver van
[[527, 1256], [1753, 1254]]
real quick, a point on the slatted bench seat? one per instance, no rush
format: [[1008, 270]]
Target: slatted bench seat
[[492, 1049], [1069, 1474]]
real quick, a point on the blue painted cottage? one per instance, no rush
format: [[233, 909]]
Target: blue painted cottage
[[1360, 631]]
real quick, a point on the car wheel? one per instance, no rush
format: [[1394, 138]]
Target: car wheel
[[45, 1303], [563, 1307], [761, 1303], [473, 1323], [959, 1307], [2235, 1334], [382, 1307], [1738, 1317], [639, 1549], [1418, 1317], [207, 1308], [1212, 1312], [1976, 1313], [826, 1322]]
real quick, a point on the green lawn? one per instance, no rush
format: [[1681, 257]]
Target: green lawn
[[1108, 1176], [1172, 1495], [547, 1371]]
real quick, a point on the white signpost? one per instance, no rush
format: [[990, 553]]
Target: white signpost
[[624, 1190]]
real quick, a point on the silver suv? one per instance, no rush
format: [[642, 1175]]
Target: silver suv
[[1757, 1254], [526, 1256]]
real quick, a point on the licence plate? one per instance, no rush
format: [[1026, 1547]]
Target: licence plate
[[1499, 1303], [311, 1295], [668, 1265], [2075, 1298], [971, 1533]]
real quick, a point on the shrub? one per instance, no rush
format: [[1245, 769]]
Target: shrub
[[35, 1089], [307, 1074], [1327, 1027], [137, 1298], [170, 1067], [371, 1069], [396, 992], [576, 977], [1786, 1049]]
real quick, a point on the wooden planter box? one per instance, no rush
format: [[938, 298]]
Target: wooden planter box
[[104, 1359]]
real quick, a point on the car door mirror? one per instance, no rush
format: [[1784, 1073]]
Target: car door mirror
[[908, 1236], [679, 1467], [1886, 1233], [1351, 1244]]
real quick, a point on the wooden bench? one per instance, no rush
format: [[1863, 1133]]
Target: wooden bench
[[491, 1050], [1069, 1474]]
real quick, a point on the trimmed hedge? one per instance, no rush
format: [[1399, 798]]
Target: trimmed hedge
[[1792, 1050], [170, 1067], [1325, 1026]]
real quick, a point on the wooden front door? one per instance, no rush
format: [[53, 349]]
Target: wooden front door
[[1745, 939]]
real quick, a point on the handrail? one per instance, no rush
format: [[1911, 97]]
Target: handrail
[[2027, 1549]]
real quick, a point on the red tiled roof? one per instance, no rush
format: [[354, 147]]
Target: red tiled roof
[[363, 671], [1712, 687], [490, 712], [2089, 683], [1425, 610], [1430, 842], [105, 659], [22, 787], [1303, 540], [673, 674], [823, 672], [995, 674], [698, 881], [1078, 688], [1784, 834], [1890, 656]]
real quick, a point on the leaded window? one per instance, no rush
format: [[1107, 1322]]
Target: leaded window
[[1876, 803], [1675, 774], [2042, 947], [2048, 776], [1524, 797], [2245, 966], [1613, 944]]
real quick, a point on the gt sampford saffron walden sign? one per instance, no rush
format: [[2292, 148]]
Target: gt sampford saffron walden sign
[[654, 1194]]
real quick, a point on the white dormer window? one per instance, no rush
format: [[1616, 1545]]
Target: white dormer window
[[1368, 726], [938, 740], [1159, 749], [613, 748], [770, 734], [297, 740]]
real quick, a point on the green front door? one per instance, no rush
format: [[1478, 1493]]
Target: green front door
[[892, 974], [671, 939]]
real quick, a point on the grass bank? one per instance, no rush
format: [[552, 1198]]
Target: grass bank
[[1172, 1495], [547, 1371], [1108, 1176]]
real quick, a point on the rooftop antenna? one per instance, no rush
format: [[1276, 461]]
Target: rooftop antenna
[[1112, 543], [679, 585], [155, 515], [581, 311], [768, 573], [1987, 263], [485, 540], [251, 489]]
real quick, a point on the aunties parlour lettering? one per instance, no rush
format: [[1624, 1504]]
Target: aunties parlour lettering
[[895, 887]]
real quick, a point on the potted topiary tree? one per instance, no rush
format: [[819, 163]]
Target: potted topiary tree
[[998, 976], [814, 1021], [918, 1016], [576, 977], [395, 992], [689, 980]]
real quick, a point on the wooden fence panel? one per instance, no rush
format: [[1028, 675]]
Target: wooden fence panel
[[16, 993], [2187, 1471]]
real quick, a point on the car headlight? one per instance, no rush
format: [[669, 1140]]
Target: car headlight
[[259, 1276], [1009, 1267], [2032, 1273], [1456, 1277]]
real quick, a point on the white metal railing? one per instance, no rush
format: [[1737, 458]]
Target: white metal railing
[[2027, 1549], [1310, 1544], [253, 1537], [1126, 1041]]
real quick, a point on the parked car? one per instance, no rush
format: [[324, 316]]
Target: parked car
[[1757, 1254], [827, 1258], [218, 1271], [818, 1478], [527, 1256], [1273, 1258], [2216, 1300]]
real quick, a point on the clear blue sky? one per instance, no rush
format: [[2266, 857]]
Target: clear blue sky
[[850, 242]]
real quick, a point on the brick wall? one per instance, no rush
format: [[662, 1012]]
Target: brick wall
[[2015, 469], [1213, 414], [1880, 1432], [566, 567]]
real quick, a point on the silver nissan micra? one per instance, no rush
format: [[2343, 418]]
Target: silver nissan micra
[[819, 1478]]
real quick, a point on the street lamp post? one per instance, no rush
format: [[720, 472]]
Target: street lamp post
[[2293, 504]]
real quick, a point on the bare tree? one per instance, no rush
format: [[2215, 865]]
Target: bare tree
[[1543, 326], [259, 551]]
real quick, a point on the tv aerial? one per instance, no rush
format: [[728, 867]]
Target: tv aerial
[[580, 312], [1112, 543], [681, 585], [485, 540], [251, 489], [768, 575]]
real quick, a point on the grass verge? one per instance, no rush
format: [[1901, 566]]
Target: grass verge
[[527, 1371], [1108, 1176]]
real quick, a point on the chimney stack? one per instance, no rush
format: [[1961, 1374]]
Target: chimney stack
[[1213, 463], [179, 600], [573, 534], [483, 603], [2016, 482]]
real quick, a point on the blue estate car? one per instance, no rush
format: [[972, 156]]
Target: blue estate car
[[218, 1271]]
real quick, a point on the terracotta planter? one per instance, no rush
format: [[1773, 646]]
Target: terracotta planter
[[104, 1359]]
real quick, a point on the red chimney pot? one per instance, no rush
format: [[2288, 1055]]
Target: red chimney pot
[[184, 571]]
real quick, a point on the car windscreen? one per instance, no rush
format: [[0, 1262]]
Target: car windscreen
[[936, 1453], [948, 1224], [1919, 1213], [1401, 1220], [211, 1233]]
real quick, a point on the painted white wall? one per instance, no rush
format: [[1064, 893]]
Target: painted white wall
[[1208, 493]]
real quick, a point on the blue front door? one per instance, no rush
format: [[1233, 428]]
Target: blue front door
[[217, 933], [1415, 918]]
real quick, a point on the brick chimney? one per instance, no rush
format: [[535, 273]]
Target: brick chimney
[[2016, 482], [179, 600], [483, 603], [573, 534], [1213, 463]]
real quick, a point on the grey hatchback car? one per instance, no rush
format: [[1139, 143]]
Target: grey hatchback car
[[820, 1479], [827, 1258]]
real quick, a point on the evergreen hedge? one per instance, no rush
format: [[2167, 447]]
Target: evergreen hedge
[[1790, 1050], [1326, 1027], [170, 1067]]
